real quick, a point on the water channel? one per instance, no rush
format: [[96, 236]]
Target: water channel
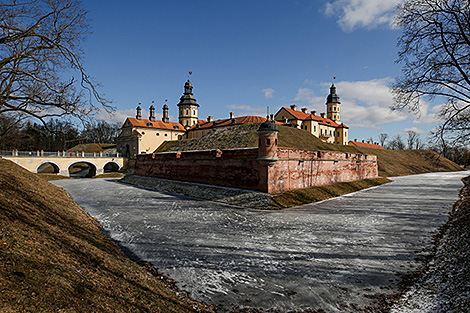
[[334, 255]]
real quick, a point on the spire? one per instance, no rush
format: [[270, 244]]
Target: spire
[[188, 97], [165, 117], [333, 97], [138, 114], [152, 113]]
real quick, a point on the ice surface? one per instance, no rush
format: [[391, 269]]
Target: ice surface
[[326, 255]]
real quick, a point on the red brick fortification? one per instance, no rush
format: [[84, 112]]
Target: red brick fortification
[[298, 168], [266, 168]]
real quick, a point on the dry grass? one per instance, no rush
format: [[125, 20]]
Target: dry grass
[[110, 175], [314, 194], [91, 147], [54, 257]]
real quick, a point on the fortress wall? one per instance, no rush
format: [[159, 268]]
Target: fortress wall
[[297, 168], [239, 168], [236, 168]]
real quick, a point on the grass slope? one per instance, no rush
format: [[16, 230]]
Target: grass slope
[[390, 162], [54, 258]]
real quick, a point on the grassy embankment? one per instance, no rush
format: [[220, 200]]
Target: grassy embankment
[[54, 257], [390, 163]]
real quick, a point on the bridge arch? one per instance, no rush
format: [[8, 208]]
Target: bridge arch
[[56, 167], [111, 166], [92, 168]]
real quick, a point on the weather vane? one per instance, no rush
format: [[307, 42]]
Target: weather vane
[[334, 77], [190, 73], [267, 112]]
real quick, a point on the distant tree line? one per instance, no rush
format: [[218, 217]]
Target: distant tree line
[[54, 135], [457, 152]]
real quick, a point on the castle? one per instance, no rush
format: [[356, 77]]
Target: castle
[[143, 136]]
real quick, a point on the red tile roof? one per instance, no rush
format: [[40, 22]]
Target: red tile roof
[[366, 145], [229, 122], [310, 117], [155, 124]]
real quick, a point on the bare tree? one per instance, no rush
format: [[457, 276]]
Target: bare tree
[[101, 132], [396, 143], [435, 55], [39, 48], [382, 139], [412, 140]]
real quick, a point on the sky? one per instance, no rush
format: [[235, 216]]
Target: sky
[[247, 55]]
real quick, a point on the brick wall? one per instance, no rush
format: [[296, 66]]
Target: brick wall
[[239, 168]]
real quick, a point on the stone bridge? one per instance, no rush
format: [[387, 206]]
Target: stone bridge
[[61, 161]]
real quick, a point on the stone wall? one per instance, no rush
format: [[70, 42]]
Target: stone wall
[[240, 168], [298, 168]]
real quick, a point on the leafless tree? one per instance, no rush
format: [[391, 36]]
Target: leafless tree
[[412, 140], [435, 55], [40, 48], [382, 139], [396, 143]]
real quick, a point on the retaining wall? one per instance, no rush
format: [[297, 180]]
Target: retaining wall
[[239, 168]]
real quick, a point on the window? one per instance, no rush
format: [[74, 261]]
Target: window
[[158, 134], [314, 128], [143, 133], [187, 112], [194, 112], [166, 135], [268, 142]]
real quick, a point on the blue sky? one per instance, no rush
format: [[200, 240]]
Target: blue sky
[[246, 55]]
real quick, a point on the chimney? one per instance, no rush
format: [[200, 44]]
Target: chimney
[[368, 141], [355, 139], [152, 113], [322, 115], [271, 117], [232, 115], [138, 113], [210, 118], [165, 117], [314, 112], [304, 110], [293, 107], [362, 140]]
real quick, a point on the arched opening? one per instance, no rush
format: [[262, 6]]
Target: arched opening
[[82, 169], [111, 167], [48, 168]]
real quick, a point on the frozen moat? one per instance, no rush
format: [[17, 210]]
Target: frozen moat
[[331, 255]]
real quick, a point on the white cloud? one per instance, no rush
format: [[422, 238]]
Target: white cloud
[[307, 95], [243, 109], [119, 116], [414, 129], [268, 93], [367, 103], [362, 13]]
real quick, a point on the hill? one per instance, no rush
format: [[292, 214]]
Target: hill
[[55, 258], [92, 147], [390, 162]]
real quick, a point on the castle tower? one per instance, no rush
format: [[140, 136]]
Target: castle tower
[[188, 106], [152, 113], [267, 146], [332, 105], [138, 114], [165, 117]]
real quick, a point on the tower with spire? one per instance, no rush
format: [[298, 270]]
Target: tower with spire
[[332, 104], [188, 106]]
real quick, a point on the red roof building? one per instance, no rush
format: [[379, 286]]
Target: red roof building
[[363, 144]]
